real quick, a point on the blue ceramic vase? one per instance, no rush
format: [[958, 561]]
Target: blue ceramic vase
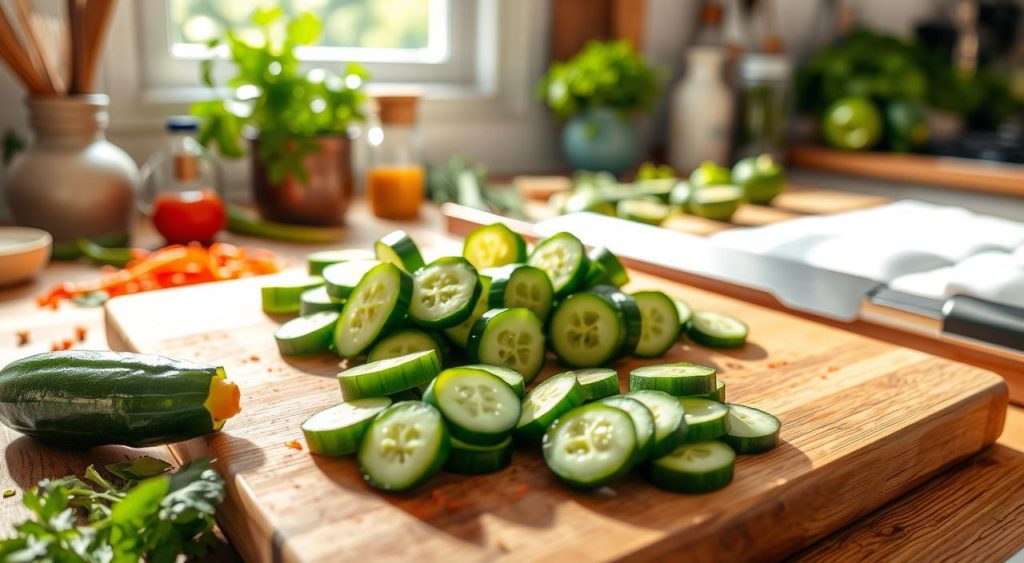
[[600, 139]]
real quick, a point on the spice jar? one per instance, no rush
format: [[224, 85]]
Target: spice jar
[[763, 105], [394, 178]]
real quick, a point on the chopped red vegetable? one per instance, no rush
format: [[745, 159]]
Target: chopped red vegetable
[[81, 332], [171, 266], [22, 337], [294, 444]]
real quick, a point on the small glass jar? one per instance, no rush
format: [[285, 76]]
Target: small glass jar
[[395, 176], [764, 103]]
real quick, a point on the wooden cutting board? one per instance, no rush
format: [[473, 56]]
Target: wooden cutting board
[[863, 422]]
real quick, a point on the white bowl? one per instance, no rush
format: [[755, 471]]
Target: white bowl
[[23, 252]]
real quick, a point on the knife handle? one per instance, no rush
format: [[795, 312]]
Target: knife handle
[[984, 320]]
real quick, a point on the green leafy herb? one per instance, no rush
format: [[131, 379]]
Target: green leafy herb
[[94, 520], [603, 75], [464, 183], [286, 107]]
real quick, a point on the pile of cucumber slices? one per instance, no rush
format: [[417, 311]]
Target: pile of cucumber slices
[[450, 347]]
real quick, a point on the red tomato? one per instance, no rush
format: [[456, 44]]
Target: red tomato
[[189, 216]]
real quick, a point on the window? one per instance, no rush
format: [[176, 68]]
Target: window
[[410, 31]]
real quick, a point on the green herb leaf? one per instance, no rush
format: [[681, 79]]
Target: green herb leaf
[[304, 29], [139, 468]]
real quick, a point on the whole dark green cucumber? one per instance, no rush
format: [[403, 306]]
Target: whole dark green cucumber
[[90, 398]]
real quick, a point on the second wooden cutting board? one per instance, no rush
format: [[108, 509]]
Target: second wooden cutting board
[[863, 422]]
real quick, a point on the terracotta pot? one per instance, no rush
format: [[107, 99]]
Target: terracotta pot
[[322, 200]]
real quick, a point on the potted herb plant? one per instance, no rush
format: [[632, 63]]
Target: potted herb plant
[[597, 92], [296, 122]]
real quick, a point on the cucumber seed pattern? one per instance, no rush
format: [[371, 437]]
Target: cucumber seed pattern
[[514, 348], [400, 442], [478, 400], [589, 434]]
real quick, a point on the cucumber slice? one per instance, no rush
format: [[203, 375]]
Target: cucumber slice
[[563, 258], [459, 333], [342, 278], [598, 383], [479, 407], [751, 431], [406, 341], [660, 326], [404, 446], [508, 337], [717, 395], [494, 245], [597, 276], [319, 260], [444, 292], [520, 285], [507, 374], [309, 334], [317, 300], [586, 330], [643, 423], [467, 459], [389, 376], [680, 196], [398, 249], [590, 446], [648, 211], [660, 188], [551, 399], [685, 313], [706, 419], [700, 467], [339, 429], [377, 305], [610, 264], [630, 313], [285, 298], [670, 427], [717, 330], [679, 379], [715, 202]]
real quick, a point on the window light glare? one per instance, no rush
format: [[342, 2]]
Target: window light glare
[[247, 92], [316, 75], [318, 105], [274, 68], [375, 136], [352, 81]]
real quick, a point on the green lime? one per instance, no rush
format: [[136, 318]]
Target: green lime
[[650, 211], [709, 174], [852, 124], [906, 125], [760, 177], [716, 202]]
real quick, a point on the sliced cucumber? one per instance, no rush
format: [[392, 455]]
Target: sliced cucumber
[[467, 459], [597, 276], [598, 383], [508, 337], [563, 258], [751, 431], [389, 376], [648, 211], [507, 374], [479, 407], [706, 419], [630, 313], [554, 397], [342, 278], [680, 196], [338, 430], [398, 249], [319, 260], [717, 395], [404, 446], [494, 245], [406, 341], [659, 323], [679, 379], [587, 330], [317, 300], [670, 427], [700, 467], [610, 265], [309, 334], [376, 306], [643, 423], [459, 333], [521, 285], [285, 298], [444, 292], [685, 313], [717, 330], [715, 202], [590, 446]]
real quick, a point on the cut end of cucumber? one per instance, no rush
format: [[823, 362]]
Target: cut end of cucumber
[[404, 446], [554, 396], [494, 245], [717, 330], [563, 258], [590, 446], [509, 337]]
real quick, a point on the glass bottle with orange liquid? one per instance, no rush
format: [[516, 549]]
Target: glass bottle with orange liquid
[[394, 178]]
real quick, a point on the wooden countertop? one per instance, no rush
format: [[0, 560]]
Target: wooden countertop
[[974, 510]]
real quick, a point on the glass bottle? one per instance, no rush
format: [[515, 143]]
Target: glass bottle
[[764, 102], [395, 177], [181, 186], [701, 112]]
